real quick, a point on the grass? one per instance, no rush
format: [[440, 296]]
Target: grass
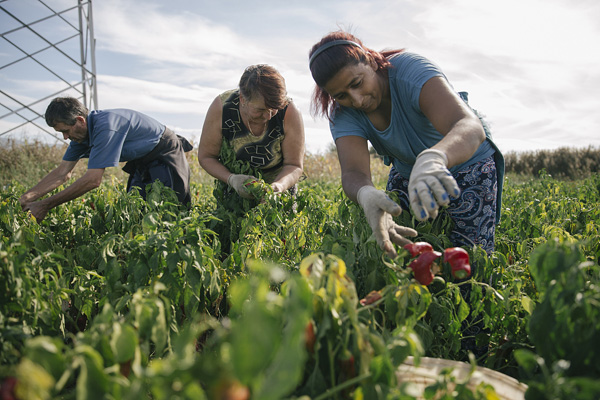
[[27, 163]]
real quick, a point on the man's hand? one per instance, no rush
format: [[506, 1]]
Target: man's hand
[[379, 208], [237, 181], [27, 198], [430, 183], [24, 202], [38, 209]]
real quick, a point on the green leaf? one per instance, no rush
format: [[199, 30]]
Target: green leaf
[[463, 310], [150, 222], [92, 382], [123, 342], [48, 353], [255, 337], [527, 359], [527, 304], [160, 332], [382, 370]]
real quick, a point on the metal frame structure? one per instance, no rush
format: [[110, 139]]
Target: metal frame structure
[[85, 89]]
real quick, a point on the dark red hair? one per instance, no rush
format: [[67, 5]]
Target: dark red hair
[[331, 61]]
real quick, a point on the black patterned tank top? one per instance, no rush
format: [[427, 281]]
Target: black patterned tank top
[[264, 151]]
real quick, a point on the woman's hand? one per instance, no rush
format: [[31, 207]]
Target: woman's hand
[[431, 184], [277, 187], [238, 183], [379, 208]]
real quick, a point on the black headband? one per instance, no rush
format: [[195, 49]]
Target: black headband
[[329, 45]]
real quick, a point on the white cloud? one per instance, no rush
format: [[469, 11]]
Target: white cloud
[[164, 97], [525, 63], [181, 75], [530, 66], [177, 37]]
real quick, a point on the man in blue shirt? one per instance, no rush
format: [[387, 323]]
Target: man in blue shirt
[[107, 137]]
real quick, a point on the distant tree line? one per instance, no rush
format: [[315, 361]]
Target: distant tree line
[[564, 162], [31, 161]]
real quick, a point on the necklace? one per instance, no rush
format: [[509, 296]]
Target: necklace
[[250, 129]]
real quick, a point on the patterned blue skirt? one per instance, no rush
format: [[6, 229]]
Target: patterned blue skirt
[[474, 212]]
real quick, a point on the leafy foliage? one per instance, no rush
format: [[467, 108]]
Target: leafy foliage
[[289, 296]]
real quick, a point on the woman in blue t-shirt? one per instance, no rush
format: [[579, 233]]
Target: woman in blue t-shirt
[[440, 150]]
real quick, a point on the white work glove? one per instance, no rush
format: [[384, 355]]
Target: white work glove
[[379, 208], [430, 184], [236, 181]]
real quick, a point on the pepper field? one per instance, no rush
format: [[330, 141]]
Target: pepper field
[[112, 297]]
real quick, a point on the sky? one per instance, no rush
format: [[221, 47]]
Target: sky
[[532, 67]]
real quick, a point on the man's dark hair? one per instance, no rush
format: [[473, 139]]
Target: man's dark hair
[[65, 110]]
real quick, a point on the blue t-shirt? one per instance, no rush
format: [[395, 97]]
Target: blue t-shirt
[[114, 136], [410, 131]]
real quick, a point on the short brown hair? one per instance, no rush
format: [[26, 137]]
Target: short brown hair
[[266, 81], [65, 110]]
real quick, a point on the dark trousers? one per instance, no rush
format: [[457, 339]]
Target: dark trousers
[[155, 170]]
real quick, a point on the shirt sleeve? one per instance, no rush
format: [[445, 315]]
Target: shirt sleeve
[[106, 149], [347, 122], [76, 151], [411, 72]]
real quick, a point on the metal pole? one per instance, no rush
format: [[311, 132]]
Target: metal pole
[[86, 87], [93, 55], [82, 53]]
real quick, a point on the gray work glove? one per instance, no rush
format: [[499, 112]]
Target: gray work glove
[[237, 181], [379, 208], [431, 184]]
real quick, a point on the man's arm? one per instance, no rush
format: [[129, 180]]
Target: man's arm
[[54, 179], [90, 180]]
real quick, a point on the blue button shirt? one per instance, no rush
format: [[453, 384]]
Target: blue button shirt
[[116, 135]]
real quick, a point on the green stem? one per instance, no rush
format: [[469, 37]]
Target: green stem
[[342, 386], [331, 363], [372, 305]]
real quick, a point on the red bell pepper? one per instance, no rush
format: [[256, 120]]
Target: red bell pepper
[[417, 248], [458, 258], [422, 266]]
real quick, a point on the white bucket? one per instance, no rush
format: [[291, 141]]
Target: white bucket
[[429, 369]]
